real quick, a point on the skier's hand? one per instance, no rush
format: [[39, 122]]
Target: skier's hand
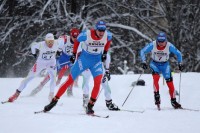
[[58, 54], [180, 66], [34, 55], [104, 79], [144, 65], [73, 58], [107, 74], [104, 56]]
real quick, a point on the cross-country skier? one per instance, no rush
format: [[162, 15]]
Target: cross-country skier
[[160, 51], [46, 59], [96, 43], [107, 92], [63, 61]]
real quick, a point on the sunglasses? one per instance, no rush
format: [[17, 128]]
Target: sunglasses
[[100, 30], [49, 41], [161, 41], [74, 37]]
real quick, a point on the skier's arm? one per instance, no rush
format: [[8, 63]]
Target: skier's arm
[[145, 50], [34, 47], [175, 51], [82, 37], [61, 44], [109, 40]]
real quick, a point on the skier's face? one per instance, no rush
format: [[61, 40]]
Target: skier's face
[[162, 44], [100, 33], [49, 43], [73, 38]]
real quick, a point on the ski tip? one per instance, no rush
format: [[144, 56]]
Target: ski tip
[[100, 116], [3, 102], [188, 109], [37, 112]]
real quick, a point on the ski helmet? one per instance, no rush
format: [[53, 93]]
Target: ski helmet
[[100, 25], [49, 36], [161, 37], [74, 32]]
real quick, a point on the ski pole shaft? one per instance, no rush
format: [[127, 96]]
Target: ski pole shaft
[[179, 89], [131, 89]]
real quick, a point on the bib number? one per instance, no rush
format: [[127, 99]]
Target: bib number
[[95, 50], [68, 50]]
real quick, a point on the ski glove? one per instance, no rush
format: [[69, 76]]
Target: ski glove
[[34, 55], [73, 58], [104, 79], [144, 65], [58, 54], [51, 105], [108, 74], [180, 66], [104, 56]]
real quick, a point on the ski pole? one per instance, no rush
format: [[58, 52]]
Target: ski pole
[[132, 89], [179, 89]]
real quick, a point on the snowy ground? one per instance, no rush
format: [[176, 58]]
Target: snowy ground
[[18, 117]]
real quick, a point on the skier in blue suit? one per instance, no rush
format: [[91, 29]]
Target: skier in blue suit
[[95, 44], [160, 52]]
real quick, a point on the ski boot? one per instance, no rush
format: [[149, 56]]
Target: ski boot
[[14, 96], [89, 108], [175, 104], [157, 99], [111, 106], [85, 100], [51, 104]]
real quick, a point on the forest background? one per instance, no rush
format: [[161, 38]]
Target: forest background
[[134, 23]]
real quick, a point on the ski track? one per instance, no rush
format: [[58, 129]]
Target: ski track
[[19, 117]]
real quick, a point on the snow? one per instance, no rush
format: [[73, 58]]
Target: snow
[[68, 115]]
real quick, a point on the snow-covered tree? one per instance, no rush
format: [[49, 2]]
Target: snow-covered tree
[[134, 23]]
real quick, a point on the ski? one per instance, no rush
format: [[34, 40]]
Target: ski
[[3, 102], [38, 112], [188, 109], [132, 111], [95, 115], [181, 108]]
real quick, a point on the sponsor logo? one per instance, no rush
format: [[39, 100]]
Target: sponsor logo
[[96, 43], [80, 64], [160, 53]]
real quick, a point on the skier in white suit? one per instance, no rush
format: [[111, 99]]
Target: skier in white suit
[[48, 50]]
